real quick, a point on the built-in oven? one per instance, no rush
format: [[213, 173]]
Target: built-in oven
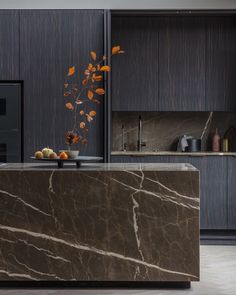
[[10, 122]]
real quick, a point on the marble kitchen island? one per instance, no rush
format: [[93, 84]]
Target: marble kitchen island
[[99, 223]]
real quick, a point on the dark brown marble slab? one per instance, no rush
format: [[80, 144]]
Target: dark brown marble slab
[[110, 225], [161, 130]]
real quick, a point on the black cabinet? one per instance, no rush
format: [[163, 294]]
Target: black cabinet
[[213, 189], [164, 64], [10, 123], [217, 187], [174, 63], [231, 193], [221, 64], [135, 74], [9, 40], [182, 64], [214, 203], [51, 41]]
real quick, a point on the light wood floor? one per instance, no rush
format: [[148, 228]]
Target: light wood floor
[[218, 277]]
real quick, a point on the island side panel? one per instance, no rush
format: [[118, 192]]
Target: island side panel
[[104, 225]]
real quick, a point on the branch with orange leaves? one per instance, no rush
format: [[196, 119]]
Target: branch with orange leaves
[[91, 82]]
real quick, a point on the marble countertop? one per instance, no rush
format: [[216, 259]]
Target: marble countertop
[[170, 153], [100, 167]]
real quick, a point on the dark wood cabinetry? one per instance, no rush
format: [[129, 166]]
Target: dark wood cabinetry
[[221, 63], [231, 193], [175, 63], [214, 193], [50, 42], [181, 64], [218, 205], [135, 75], [9, 40]]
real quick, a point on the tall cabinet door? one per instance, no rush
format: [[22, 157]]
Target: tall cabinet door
[[135, 74], [231, 193], [51, 41], [221, 64], [9, 40], [182, 63]]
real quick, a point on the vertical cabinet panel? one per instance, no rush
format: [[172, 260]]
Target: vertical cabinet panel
[[9, 40], [51, 41], [213, 185], [175, 63], [214, 192], [135, 74], [221, 64], [182, 64], [231, 193]]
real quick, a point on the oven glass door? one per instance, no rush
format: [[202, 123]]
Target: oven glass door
[[10, 122]]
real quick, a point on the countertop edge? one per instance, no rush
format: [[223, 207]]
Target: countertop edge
[[196, 154]]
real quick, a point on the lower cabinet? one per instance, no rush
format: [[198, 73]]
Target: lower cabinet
[[213, 189], [231, 193], [213, 183], [217, 186]]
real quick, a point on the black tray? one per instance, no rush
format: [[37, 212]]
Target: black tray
[[77, 160]]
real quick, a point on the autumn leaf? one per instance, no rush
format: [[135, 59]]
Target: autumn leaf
[[81, 112], [78, 101], [105, 69], [76, 139], [98, 67], [71, 71], [90, 94], [90, 66], [89, 118], [115, 49], [69, 106], [85, 82], [92, 113], [87, 72], [97, 78], [82, 125], [93, 55], [67, 94], [100, 91]]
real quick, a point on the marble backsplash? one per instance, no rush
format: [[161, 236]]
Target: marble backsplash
[[162, 130]]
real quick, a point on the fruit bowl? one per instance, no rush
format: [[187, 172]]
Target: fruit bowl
[[78, 160]]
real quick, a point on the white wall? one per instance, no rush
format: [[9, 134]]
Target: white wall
[[119, 4]]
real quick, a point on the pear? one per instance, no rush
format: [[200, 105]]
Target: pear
[[38, 155], [53, 155], [46, 152]]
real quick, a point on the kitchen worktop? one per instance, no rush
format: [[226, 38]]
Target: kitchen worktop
[[171, 153], [100, 167], [99, 223]]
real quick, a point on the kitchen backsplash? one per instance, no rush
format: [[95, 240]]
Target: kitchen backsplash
[[162, 130]]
